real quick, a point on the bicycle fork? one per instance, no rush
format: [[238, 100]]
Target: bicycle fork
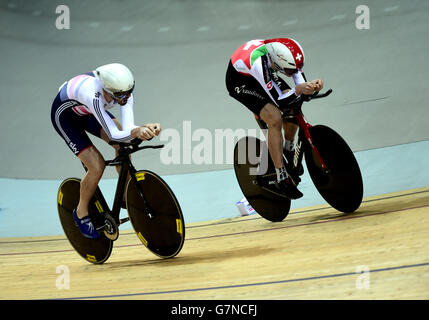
[[133, 173], [305, 129]]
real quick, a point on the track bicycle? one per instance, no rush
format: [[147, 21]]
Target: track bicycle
[[153, 210], [330, 162]]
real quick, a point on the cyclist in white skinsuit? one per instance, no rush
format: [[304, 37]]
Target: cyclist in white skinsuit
[[83, 95], [251, 78], [81, 106]]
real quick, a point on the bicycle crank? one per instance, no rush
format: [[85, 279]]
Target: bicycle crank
[[109, 227]]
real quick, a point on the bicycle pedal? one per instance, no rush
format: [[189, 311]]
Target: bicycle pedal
[[293, 175], [295, 180]]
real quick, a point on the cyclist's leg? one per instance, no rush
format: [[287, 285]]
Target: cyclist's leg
[[94, 163], [105, 137], [249, 92], [271, 115], [94, 127], [290, 129], [71, 127]]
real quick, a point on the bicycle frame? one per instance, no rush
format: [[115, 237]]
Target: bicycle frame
[[126, 167], [123, 160], [304, 128]]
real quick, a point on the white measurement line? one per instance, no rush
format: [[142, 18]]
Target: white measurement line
[[390, 9], [289, 23], [203, 29], [127, 28], [244, 27], [164, 29], [339, 17]]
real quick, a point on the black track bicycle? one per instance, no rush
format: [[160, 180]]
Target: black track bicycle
[[330, 162], [153, 210]]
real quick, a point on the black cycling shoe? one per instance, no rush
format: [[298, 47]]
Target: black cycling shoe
[[289, 158], [287, 187]]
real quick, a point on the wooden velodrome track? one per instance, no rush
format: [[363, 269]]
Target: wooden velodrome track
[[315, 253]]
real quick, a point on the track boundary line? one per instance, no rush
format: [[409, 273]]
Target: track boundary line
[[329, 276]]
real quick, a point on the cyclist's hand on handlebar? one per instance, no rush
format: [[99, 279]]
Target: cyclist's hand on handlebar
[[154, 127], [143, 133], [306, 88], [317, 84]]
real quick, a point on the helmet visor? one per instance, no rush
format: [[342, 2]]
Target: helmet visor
[[289, 72], [285, 71], [120, 94]]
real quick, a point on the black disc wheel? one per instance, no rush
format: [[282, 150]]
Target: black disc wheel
[[96, 251], [255, 174], [155, 214], [341, 185]]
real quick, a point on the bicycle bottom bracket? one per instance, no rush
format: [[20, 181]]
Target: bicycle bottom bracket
[[110, 228]]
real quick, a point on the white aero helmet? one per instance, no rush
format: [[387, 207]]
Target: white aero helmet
[[116, 79], [285, 53]]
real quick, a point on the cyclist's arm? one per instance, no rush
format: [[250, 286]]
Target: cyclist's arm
[[109, 125], [302, 86], [87, 95], [261, 72], [127, 115], [298, 77]]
